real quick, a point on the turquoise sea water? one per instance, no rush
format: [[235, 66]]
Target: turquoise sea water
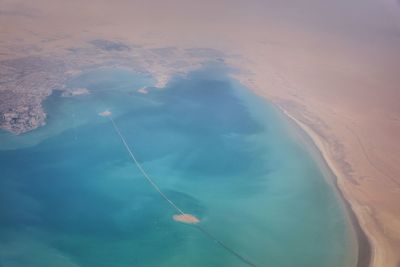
[[70, 195]]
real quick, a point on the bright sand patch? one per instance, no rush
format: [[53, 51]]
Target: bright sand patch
[[143, 90], [105, 113], [186, 218]]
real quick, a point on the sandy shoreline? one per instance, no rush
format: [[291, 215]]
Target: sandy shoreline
[[365, 249]]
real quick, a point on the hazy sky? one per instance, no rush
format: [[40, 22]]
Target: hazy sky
[[302, 39]]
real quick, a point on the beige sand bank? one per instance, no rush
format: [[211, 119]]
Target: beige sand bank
[[186, 218]]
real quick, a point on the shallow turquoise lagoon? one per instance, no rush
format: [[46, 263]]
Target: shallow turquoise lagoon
[[70, 195]]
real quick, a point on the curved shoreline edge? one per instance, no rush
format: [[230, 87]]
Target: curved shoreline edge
[[365, 245]]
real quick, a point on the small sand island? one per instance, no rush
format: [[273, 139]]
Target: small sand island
[[105, 113], [186, 218], [143, 90]]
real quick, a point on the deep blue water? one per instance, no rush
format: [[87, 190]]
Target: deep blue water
[[70, 195]]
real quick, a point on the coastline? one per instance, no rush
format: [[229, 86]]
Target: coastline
[[366, 249]]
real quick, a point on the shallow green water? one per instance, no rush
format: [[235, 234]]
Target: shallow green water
[[70, 195]]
